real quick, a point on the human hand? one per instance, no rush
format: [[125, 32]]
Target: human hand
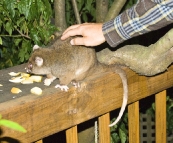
[[91, 33]]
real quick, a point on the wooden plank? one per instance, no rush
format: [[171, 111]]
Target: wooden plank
[[40, 141], [71, 135], [104, 129], [55, 110], [160, 100], [133, 121]]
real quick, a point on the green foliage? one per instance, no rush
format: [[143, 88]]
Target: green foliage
[[23, 23], [86, 10], [119, 132], [70, 17], [12, 125]]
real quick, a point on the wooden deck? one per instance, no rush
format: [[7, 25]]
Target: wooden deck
[[55, 110]]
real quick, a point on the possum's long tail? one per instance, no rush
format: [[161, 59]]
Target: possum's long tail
[[123, 77]]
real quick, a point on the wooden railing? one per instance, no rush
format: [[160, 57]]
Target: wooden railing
[[55, 110]]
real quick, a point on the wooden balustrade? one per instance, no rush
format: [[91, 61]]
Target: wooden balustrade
[[55, 110]]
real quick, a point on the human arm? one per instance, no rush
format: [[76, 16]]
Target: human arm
[[145, 16]]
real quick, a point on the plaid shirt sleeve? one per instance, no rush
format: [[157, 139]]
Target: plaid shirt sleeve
[[145, 16]]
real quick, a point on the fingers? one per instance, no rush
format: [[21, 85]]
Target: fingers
[[88, 34], [71, 31], [77, 41], [82, 41], [71, 27]]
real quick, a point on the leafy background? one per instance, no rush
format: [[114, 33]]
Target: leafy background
[[23, 23]]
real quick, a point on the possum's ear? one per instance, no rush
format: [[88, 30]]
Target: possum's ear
[[39, 61], [35, 47]]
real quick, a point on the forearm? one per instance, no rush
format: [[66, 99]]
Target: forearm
[[144, 17]]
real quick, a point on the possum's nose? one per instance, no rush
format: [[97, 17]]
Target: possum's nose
[[28, 68]]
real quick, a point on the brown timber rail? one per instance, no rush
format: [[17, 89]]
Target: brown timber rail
[[55, 110]]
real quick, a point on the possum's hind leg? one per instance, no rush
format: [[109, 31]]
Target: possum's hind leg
[[123, 77]]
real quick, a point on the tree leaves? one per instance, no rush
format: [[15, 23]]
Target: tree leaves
[[24, 7], [86, 9], [23, 23], [8, 28], [10, 6], [123, 135], [24, 51], [0, 41], [119, 132]]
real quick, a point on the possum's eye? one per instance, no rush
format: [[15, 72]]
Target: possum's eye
[[39, 61]]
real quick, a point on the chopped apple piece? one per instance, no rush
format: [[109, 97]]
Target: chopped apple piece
[[25, 75], [36, 90], [36, 78], [1, 85], [14, 73], [27, 81], [16, 79], [15, 90], [24, 78]]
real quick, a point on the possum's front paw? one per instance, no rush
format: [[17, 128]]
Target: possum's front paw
[[47, 81], [62, 87]]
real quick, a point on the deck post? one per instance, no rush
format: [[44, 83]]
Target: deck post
[[133, 121], [104, 129], [71, 135], [160, 99]]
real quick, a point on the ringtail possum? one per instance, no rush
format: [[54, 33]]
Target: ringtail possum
[[71, 64]]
